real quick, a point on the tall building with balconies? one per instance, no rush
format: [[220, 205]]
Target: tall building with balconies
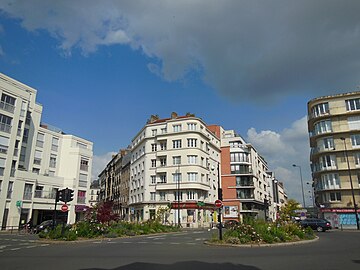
[[334, 130], [36, 160], [174, 166], [249, 189]]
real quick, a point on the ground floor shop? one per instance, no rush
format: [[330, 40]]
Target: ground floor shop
[[342, 218]]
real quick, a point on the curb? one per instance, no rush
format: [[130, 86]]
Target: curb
[[302, 242]]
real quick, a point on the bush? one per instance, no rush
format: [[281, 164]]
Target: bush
[[254, 231]]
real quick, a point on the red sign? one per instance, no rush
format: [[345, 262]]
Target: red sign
[[64, 208], [218, 204]]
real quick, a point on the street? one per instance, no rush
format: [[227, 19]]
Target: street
[[184, 250]]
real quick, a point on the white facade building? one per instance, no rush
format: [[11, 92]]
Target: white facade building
[[36, 160], [173, 165]]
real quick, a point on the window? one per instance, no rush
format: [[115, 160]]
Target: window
[[83, 180], [176, 128], [355, 140], [81, 145], [5, 123], [162, 178], [163, 161], [320, 109], [153, 163], [84, 164], [163, 145], [25, 135], [191, 126], [192, 159], [177, 160], [52, 163], [237, 169], [2, 166], [163, 130], [192, 177], [40, 140], [152, 196], [28, 192], [191, 142], [354, 122], [176, 177], [239, 157], [7, 103], [352, 104], [37, 157], [335, 196], [10, 190], [235, 144], [323, 127], [176, 143], [81, 196], [54, 144], [328, 162], [153, 179], [39, 191], [162, 195], [36, 170], [153, 147], [191, 195], [178, 195], [330, 181], [153, 132], [4, 144], [328, 143]]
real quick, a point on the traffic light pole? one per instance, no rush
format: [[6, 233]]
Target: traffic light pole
[[54, 215], [220, 197]]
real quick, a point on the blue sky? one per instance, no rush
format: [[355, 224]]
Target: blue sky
[[101, 69]]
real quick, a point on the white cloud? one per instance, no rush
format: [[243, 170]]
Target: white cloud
[[247, 50], [281, 151], [99, 164]]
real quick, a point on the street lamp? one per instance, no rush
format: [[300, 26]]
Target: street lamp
[[178, 194], [351, 185], [302, 186]]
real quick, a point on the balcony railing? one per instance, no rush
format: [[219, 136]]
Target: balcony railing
[[41, 194], [37, 161], [27, 196], [84, 167]]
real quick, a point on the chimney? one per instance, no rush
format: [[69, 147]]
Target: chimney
[[153, 118]]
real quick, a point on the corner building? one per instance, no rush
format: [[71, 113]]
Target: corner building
[[174, 164], [333, 124], [36, 160]]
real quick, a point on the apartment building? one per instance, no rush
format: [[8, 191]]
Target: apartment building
[[36, 160], [174, 166], [334, 130], [114, 180], [249, 189], [94, 193]]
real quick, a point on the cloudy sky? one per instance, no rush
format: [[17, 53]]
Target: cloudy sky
[[102, 68]]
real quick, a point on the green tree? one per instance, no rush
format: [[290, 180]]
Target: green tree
[[287, 212]]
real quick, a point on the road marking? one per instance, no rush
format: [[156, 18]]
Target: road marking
[[191, 243], [174, 243], [31, 246], [15, 249], [3, 246], [44, 245]]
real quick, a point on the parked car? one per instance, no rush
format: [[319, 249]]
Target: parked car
[[46, 225], [228, 224], [321, 225]]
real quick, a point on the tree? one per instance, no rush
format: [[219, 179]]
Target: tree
[[287, 212], [102, 213]]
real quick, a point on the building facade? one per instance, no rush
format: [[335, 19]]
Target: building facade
[[174, 171], [334, 130], [249, 189], [94, 193], [114, 181], [36, 160]]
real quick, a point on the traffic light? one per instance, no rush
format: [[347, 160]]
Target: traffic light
[[60, 195], [220, 195], [70, 195]]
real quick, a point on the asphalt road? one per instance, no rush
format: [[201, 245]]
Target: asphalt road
[[185, 251]]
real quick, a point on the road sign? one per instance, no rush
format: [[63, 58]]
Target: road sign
[[218, 204], [64, 208]]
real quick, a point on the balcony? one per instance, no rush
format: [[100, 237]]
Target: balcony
[[27, 196], [84, 167]]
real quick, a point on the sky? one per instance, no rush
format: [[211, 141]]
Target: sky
[[102, 68]]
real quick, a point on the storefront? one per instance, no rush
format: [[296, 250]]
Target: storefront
[[342, 218]]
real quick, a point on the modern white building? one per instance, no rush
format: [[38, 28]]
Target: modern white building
[[36, 160], [174, 166]]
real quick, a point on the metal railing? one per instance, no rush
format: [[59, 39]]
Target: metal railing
[[7, 106]]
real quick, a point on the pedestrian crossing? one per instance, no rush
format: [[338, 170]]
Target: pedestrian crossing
[[11, 244]]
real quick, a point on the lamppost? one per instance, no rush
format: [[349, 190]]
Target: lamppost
[[178, 193], [351, 185], [302, 186]]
